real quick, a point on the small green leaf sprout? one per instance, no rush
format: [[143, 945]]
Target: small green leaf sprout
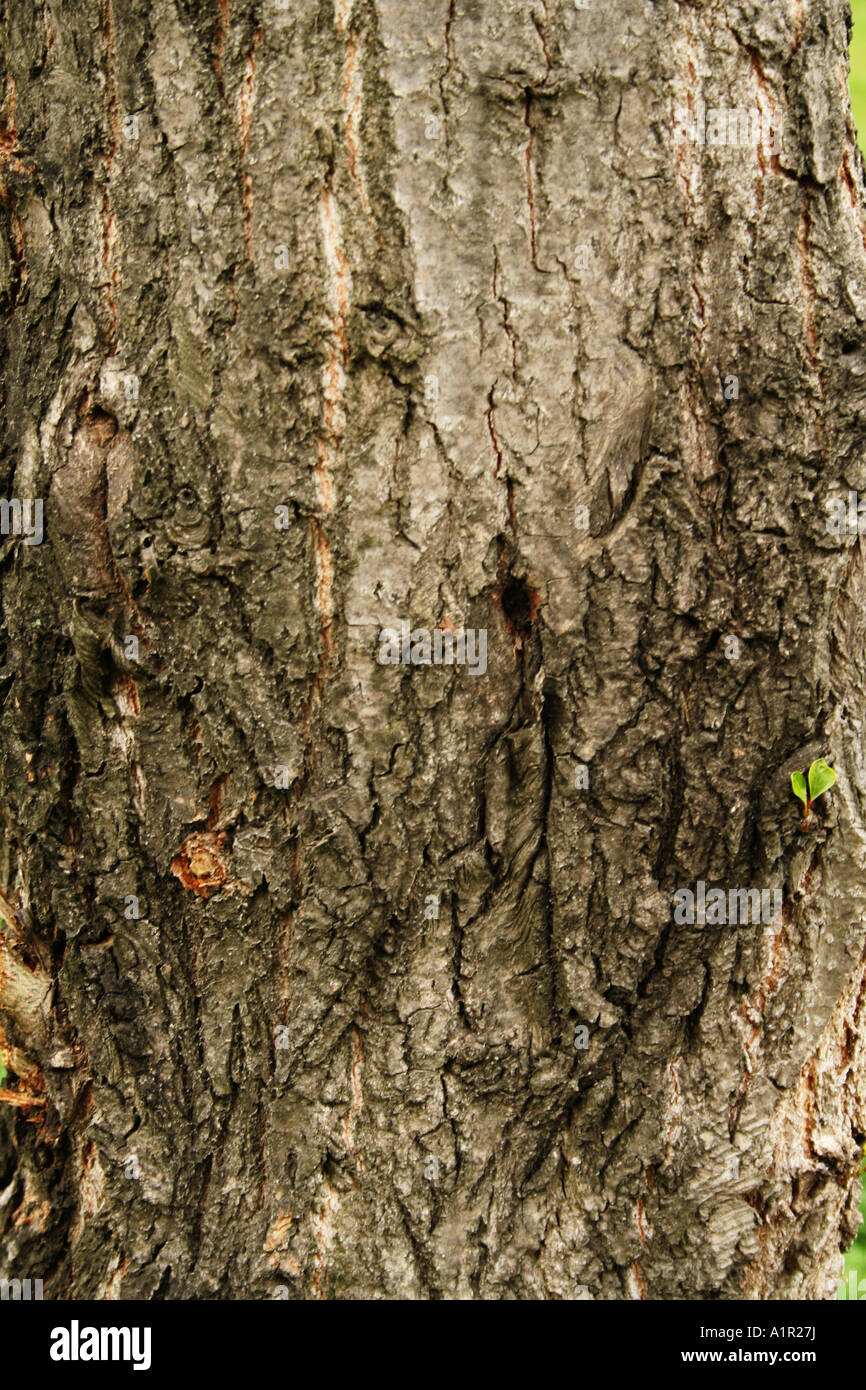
[[821, 778]]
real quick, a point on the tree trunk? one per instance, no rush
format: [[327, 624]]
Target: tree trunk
[[328, 971]]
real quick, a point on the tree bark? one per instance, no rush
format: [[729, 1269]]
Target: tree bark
[[322, 977]]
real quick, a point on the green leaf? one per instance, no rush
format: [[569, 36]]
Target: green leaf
[[820, 778], [798, 783], [3, 1073]]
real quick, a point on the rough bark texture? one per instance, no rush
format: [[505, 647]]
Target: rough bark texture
[[431, 276]]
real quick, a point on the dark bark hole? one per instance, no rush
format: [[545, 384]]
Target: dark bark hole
[[518, 605], [100, 425]]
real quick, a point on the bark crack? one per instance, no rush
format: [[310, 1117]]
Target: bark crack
[[109, 221], [352, 95], [246, 100], [527, 159]]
